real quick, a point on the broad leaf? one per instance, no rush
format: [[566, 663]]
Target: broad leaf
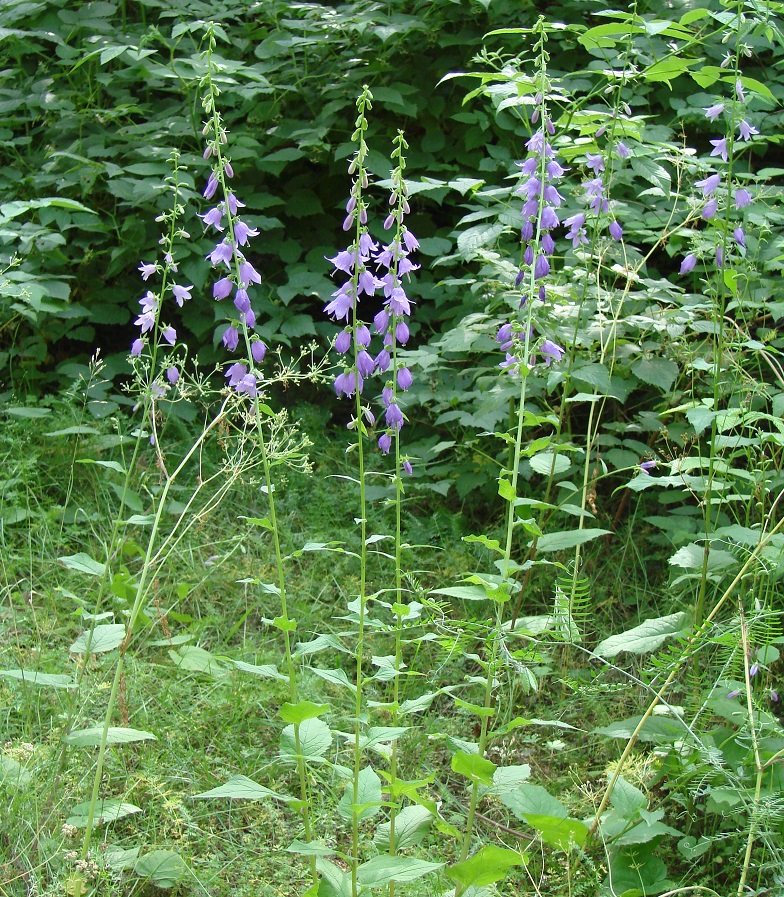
[[411, 825], [83, 563], [31, 677], [115, 735], [315, 739], [240, 788], [488, 865], [645, 637], [105, 637], [381, 870], [566, 540], [162, 868], [368, 803], [106, 811]]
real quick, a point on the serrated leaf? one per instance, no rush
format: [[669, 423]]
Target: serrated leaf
[[105, 637], [116, 735], [12, 774], [692, 557], [411, 825], [529, 799], [550, 463], [83, 563], [31, 677], [106, 811], [558, 832], [478, 769], [162, 868], [488, 865], [381, 870], [315, 739], [643, 638], [368, 802], [240, 788], [298, 713], [265, 670], [336, 677], [192, 658], [659, 372], [566, 540]]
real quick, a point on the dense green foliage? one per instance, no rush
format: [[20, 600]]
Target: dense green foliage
[[196, 613]]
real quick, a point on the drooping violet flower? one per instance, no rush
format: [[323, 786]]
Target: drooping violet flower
[[623, 151], [740, 237], [551, 351], [713, 112], [746, 130], [709, 184], [172, 374], [720, 148], [687, 265], [181, 294], [648, 466], [137, 347], [742, 198], [258, 350], [147, 270], [616, 231]]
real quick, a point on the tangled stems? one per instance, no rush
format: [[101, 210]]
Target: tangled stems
[[259, 410]]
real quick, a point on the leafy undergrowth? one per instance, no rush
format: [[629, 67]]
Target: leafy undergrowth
[[205, 721]]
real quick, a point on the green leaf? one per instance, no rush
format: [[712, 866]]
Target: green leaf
[[565, 540], [550, 463], [334, 881], [505, 490], [381, 870], [162, 868], [265, 670], [105, 637], [488, 865], [31, 677], [315, 739], [692, 557], [368, 803], [659, 372], [529, 799], [466, 593], [645, 637], [83, 563], [193, 659], [411, 825], [557, 832], [474, 767], [298, 713], [116, 735], [240, 788], [310, 848], [668, 69], [13, 775], [106, 811], [593, 374], [700, 418]]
